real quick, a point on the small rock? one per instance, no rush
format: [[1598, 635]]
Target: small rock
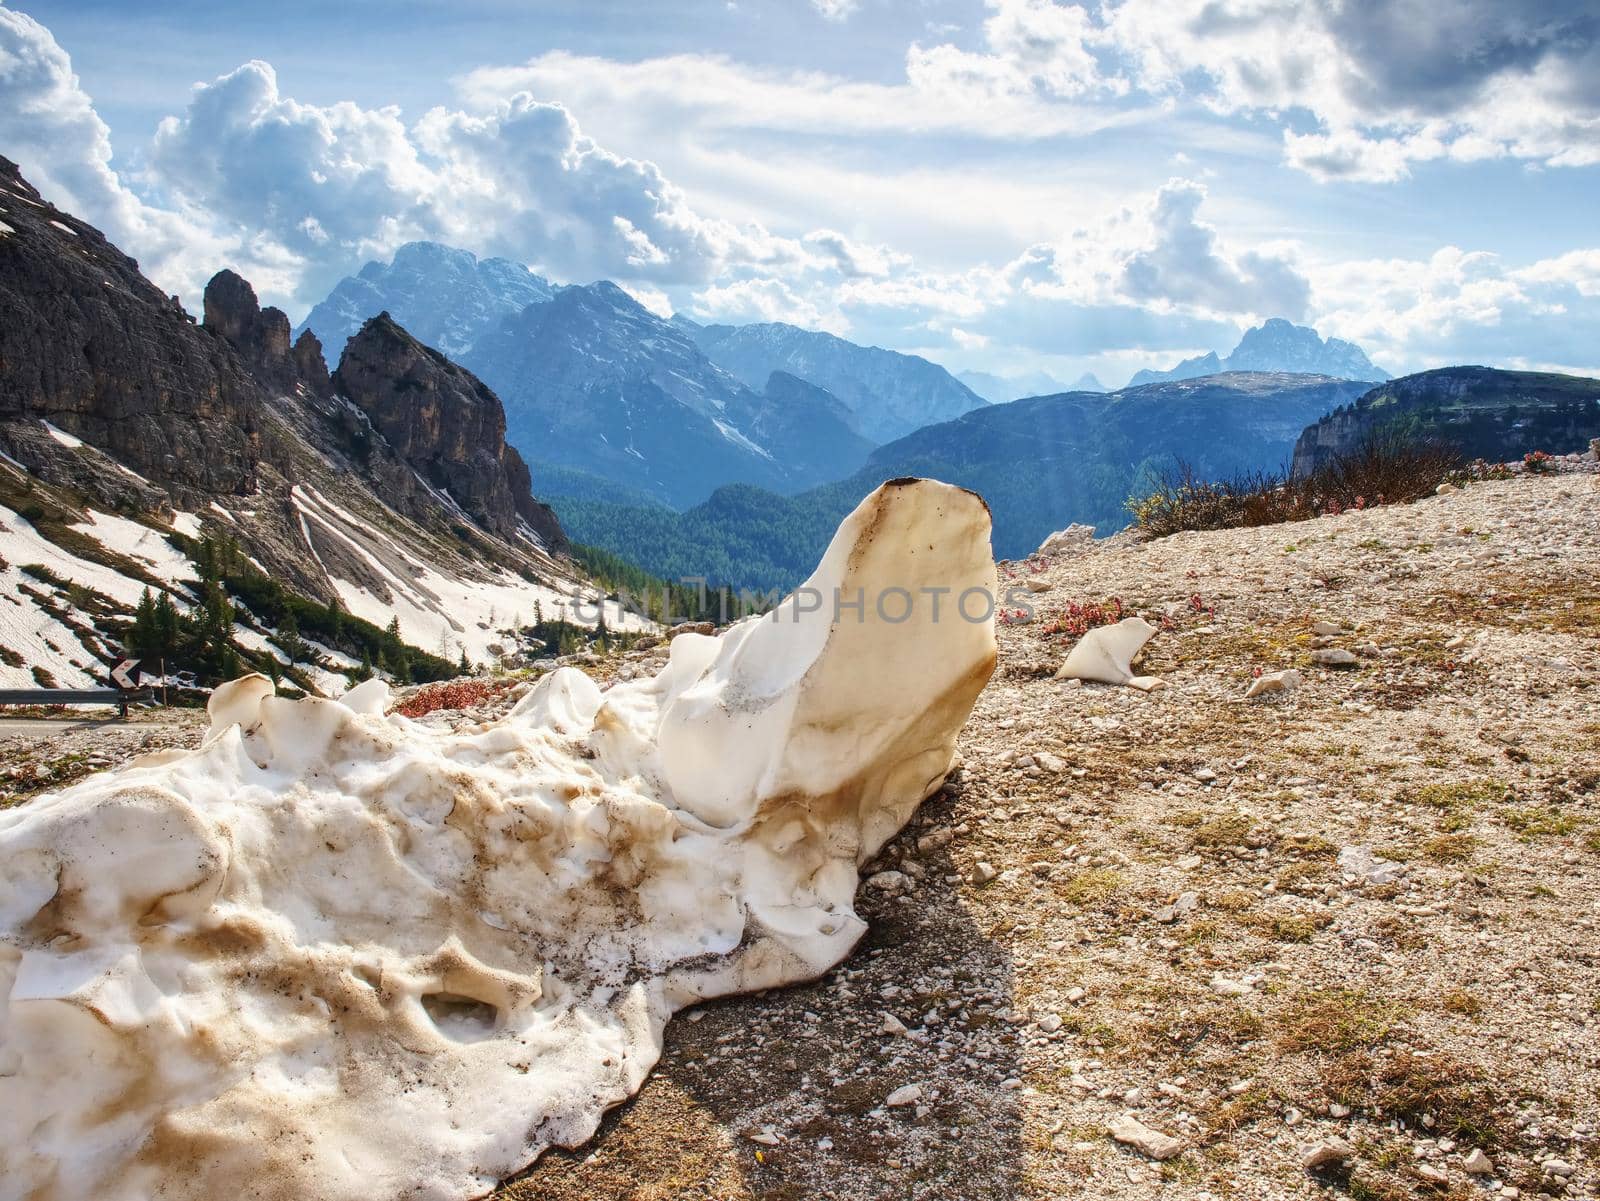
[[1205, 775], [1338, 1111], [692, 627], [1130, 1131], [889, 881], [1325, 629], [1186, 903], [1477, 1163], [1274, 681], [1050, 1023], [1359, 865], [906, 1094], [1330, 1153], [1292, 1117], [766, 1136], [934, 840], [1227, 987], [892, 1025], [1445, 489], [1433, 1175], [1333, 656], [1074, 995], [1559, 1167], [1050, 763], [983, 872]]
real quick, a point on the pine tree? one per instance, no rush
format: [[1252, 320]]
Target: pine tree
[[143, 636], [166, 626], [464, 667]]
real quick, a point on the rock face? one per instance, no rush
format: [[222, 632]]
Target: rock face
[[91, 346], [260, 335], [1280, 346], [110, 393], [445, 423], [1480, 411], [356, 956], [891, 394]]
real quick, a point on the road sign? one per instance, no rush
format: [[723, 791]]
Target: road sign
[[121, 673]]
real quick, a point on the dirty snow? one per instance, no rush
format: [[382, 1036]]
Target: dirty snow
[[358, 956]]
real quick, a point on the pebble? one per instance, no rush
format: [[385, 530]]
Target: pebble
[[1333, 656], [983, 872], [1477, 1163], [1327, 1154], [906, 1094], [1131, 1132]]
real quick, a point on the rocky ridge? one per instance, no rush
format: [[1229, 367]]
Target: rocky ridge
[[1276, 345]]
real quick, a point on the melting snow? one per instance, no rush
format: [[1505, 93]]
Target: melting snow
[[356, 956], [62, 436]]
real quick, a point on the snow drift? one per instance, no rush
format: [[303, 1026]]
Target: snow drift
[[335, 954]]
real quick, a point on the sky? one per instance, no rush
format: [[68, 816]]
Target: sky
[[1013, 186]]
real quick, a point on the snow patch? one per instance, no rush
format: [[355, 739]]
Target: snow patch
[[359, 956], [62, 436]]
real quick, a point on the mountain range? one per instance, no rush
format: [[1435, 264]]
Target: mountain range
[[1276, 345], [890, 393], [1041, 463], [998, 389], [594, 381], [378, 503]]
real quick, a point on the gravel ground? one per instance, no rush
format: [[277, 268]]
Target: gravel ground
[[1353, 922]]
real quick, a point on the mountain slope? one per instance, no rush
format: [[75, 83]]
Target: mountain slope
[[997, 389], [1484, 412], [891, 394], [594, 381], [1276, 345], [444, 297], [133, 438], [1041, 463]]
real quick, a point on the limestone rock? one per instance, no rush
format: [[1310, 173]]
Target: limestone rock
[[1333, 656], [1075, 538], [1330, 1153], [1130, 1131], [1274, 681], [446, 424]]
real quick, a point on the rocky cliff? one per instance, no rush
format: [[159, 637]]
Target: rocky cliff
[[122, 419], [445, 423], [1276, 346], [1480, 411], [92, 347]]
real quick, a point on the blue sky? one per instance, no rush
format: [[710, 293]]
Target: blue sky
[[1007, 185]]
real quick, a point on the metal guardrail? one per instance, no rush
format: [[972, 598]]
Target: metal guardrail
[[71, 696]]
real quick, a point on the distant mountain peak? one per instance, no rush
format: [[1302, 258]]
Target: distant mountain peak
[[445, 296], [890, 393], [1277, 345]]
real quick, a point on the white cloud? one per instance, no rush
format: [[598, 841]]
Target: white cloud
[[1387, 84], [1161, 255], [750, 300], [49, 127], [1029, 81], [835, 10], [1458, 305]]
